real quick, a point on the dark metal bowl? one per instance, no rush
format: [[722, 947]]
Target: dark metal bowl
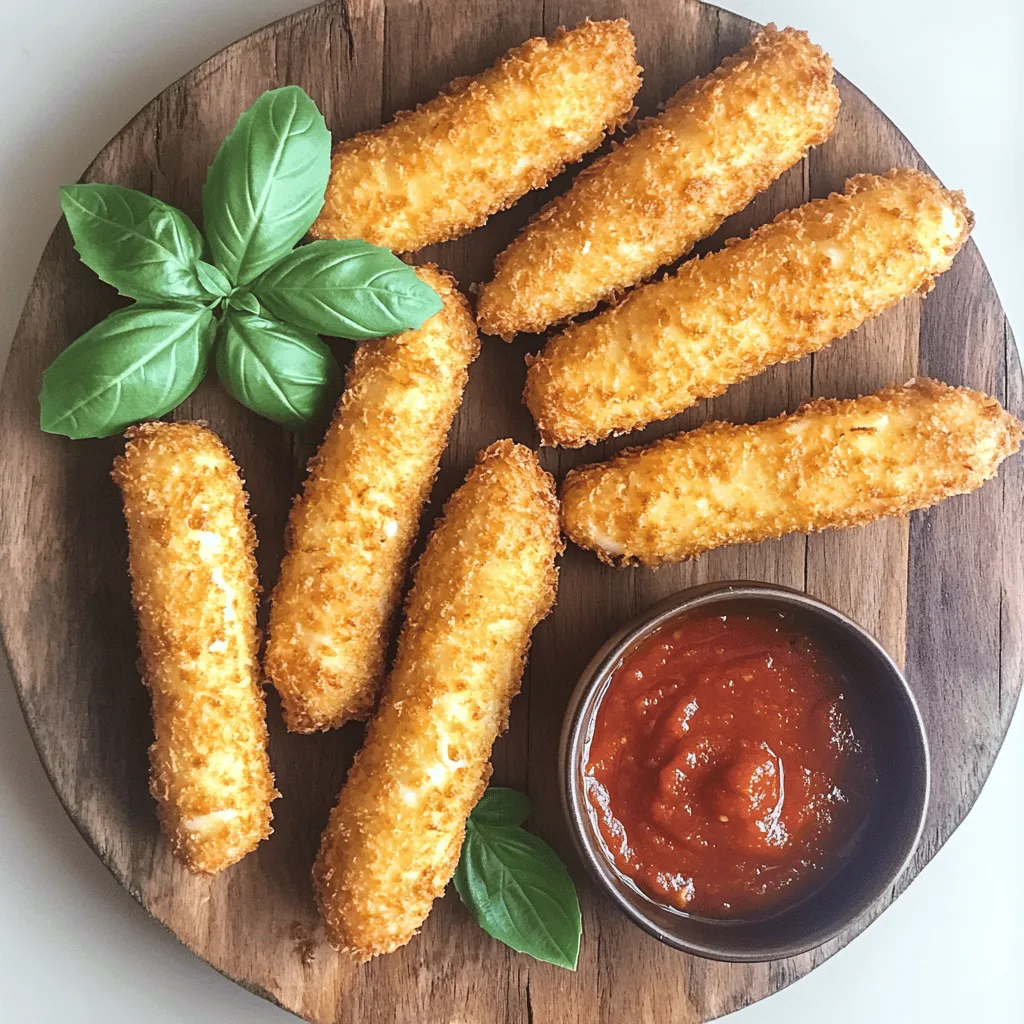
[[877, 855]]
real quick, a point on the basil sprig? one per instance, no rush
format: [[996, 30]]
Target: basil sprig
[[515, 885], [255, 310]]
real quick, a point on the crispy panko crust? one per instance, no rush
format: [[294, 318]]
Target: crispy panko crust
[[721, 140], [351, 530], [441, 170], [191, 554], [486, 579], [812, 275], [830, 464]]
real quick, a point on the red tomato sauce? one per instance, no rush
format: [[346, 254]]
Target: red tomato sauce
[[723, 770]]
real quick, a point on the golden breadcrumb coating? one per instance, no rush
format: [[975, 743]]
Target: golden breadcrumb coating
[[351, 531], [812, 275], [721, 140], [194, 587], [441, 170], [830, 464], [486, 579]]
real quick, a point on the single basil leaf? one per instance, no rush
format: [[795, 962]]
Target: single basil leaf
[[287, 375], [213, 280], [501, 806], [137, 364], [245, 302], [266, 184], [347, 289], [145, 248], [520, 892]]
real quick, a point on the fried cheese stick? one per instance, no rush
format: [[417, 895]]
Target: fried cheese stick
[[812, 275], [441, 170], [351, 531], [486, 579], [721, 140], [194, 587], [830, 464]]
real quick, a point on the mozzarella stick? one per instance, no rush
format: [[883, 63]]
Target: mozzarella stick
[[351, 531], [441, 170], [486, 579], [721, 140], [194, 587], [812, 275], [830, 464]]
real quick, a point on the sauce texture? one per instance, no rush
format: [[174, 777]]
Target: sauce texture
[[724, 772]]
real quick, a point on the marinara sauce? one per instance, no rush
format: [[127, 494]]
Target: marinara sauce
[[723, 770]]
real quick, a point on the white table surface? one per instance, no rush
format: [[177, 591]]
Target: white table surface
[[74, 947]]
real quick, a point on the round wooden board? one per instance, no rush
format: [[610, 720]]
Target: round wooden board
[[942, 591]]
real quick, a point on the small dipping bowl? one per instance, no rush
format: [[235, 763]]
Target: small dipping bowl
[[881, 848]]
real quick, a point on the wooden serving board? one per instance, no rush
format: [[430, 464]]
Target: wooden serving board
[[943, 591]]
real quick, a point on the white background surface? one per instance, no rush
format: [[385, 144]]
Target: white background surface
[[74, 947]]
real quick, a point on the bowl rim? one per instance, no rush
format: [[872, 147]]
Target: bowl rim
[[600, 668]]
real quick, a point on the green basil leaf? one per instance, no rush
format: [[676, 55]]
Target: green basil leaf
[[520, 892], [501, 806], [213, 280], [137, 364], [266, 185], [347, 289], [245, 302], [145, 248], [287, 375]]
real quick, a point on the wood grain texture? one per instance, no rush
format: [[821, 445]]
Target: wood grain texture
[[943, 590]]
